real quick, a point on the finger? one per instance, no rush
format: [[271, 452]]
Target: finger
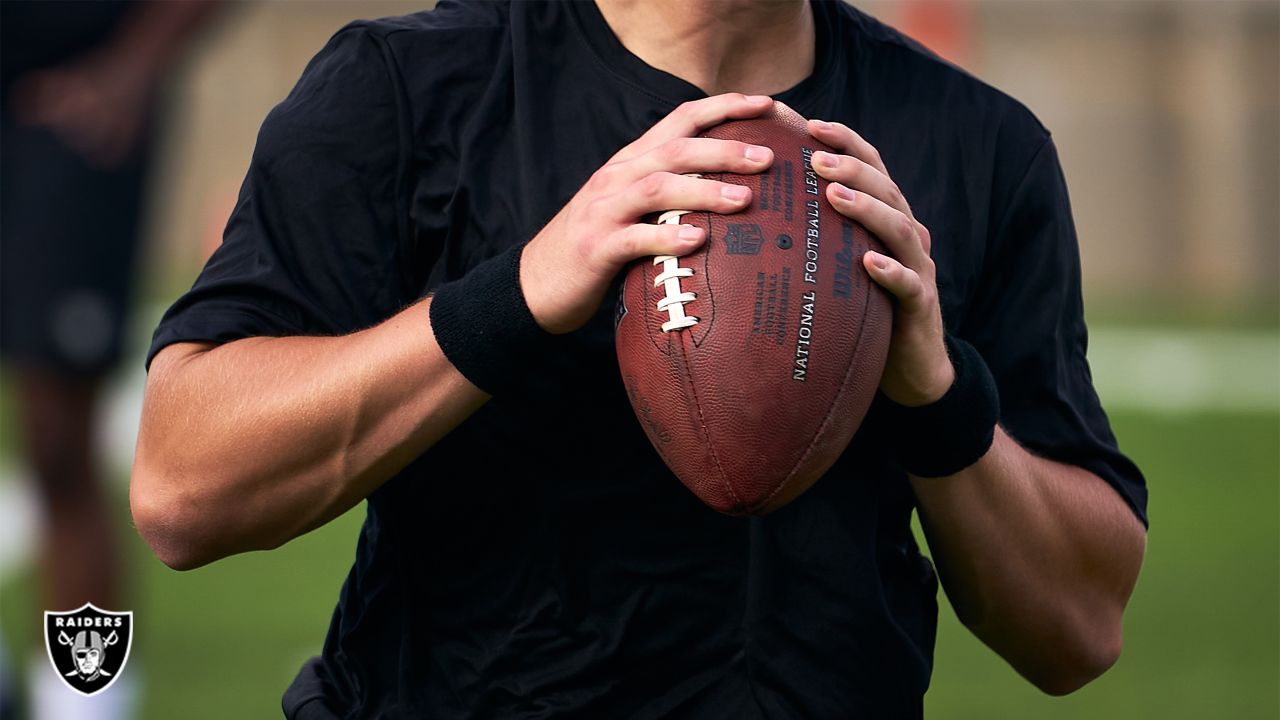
[[843, 138], [895, 229], [901, 281], [690, 155], [926, 238], [646, 239], [862, 176], [695, 116], [667, 191]]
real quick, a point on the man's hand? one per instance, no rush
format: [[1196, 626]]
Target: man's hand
[[566, 269], [97, 103], [918, 371], [96, 106]]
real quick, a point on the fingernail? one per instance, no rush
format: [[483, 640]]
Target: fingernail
[[843, 192], [755, 153], [822, 124], [736, 193], [689, 232], [881, 262], [826, 159], [757, 99]]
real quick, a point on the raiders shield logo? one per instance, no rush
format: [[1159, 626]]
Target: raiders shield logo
[[88, 647]]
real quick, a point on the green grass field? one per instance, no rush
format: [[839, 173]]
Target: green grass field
[[1203, 629]]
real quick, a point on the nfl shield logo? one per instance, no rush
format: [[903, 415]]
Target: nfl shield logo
[[743, 239], [88, 647]]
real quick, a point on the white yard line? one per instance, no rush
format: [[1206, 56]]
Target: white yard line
[[1186, 371], [17, 520]]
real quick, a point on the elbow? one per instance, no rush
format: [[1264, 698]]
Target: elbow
[[1078, 661], [166, 523], [165, 513]]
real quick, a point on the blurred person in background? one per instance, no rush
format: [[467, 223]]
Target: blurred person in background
[[79, 92]]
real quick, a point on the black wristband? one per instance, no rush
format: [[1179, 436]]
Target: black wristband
[[483, 323], [952, 433]]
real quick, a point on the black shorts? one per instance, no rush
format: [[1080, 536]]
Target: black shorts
[[68, 240]]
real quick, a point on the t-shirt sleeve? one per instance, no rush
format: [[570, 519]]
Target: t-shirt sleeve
[[1027, 320], [315, 243]]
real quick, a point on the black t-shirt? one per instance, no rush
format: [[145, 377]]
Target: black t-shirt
[[540, 560]]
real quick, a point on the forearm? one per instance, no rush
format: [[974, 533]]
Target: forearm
[[152, 36], [1038, 559], [246, 445]]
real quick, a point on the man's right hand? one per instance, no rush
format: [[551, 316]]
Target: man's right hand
[[567, 268]]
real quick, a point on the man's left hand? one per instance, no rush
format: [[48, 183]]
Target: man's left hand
[[918, 371]]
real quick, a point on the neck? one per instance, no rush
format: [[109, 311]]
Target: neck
[[758, 47]]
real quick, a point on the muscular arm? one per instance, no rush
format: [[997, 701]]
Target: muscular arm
[[1038, 559], [246, 445]]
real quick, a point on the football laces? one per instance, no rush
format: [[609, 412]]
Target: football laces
[[676, 298]]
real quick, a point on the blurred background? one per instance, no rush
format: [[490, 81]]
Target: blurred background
[[1166, 114]]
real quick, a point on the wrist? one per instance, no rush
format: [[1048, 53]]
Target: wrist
[[483, 324], [954, 431], [939, 380]]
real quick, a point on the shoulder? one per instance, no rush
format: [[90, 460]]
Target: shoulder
[[437, 59], [447, 15], [415, 49], [451, 23], [386, 66], [898, 72]]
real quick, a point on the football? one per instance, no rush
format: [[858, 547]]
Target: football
[[751, 362]]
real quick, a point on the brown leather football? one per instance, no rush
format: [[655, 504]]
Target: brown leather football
[[751, 362]]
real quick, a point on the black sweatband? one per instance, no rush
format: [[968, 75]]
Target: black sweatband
[[954, 432], [483, 323]]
